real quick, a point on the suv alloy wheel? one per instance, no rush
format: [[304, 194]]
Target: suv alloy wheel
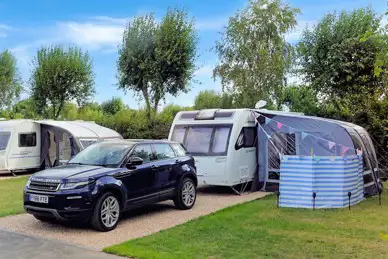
[[106, 213]]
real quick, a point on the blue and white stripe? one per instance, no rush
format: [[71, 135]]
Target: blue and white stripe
[[331, 178]]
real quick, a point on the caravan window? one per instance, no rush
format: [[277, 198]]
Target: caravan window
[[178, 134], [203, 140], [198, 139], [27, 139], [246, 138], [4, 138], [87, 142], [220, 142]]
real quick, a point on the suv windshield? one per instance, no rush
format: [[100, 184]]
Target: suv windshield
[[102, 154]]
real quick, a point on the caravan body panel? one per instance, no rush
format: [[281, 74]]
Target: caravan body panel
[[22, 151], [217, 144]]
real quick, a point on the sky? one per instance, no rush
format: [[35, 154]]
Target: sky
[[97, 26]]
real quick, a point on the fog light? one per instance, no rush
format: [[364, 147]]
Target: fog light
[[74, 197]]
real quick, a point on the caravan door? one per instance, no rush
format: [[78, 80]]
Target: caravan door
[[208, 144]]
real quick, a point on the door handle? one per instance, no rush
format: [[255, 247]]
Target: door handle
[[154, 167]]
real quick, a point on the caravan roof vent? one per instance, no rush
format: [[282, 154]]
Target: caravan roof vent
[[206, 114]]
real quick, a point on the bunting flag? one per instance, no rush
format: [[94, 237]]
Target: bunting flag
[[279, 125], [331, 145], [344, 149], [304, 135], [267, 120]]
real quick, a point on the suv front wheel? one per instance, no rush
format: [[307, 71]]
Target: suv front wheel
[[186, 194], [106, 212]]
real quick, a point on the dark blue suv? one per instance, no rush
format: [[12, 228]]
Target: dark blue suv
[[110, 177]]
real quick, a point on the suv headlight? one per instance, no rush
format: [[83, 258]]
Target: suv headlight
[[75, 185], [28, 182]]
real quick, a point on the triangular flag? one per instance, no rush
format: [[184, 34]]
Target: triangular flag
[[331, 145], [267, 120], [344, 150], [279, 125], [304, 135]]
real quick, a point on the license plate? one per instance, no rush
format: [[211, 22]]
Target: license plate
[[38, 198]]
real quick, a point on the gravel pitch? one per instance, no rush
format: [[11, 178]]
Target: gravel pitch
[[133, 224]]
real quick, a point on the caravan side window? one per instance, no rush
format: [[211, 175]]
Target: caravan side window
[[4, 138], [246, 138], [198, 139], [27, 139], [209, 140]]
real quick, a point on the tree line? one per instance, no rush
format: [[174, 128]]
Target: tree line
[[340, 65]]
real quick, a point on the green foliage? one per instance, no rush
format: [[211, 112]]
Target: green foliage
[[337, 59], [25, 108], [157, 59], [299, 99], [112, 106], [208, 99], [58, 76], [10, 84], [344, 60], [254, 56]]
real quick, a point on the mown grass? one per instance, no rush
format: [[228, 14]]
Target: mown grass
[[259, 230], [11, 195]]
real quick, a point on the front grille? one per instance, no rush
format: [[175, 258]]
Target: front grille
[[44, 186]]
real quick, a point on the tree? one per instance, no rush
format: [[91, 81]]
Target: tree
[[112, 106], [10, 84], [254, 55], [157, 59], [208, 99], [338, 59], [61, 75], [344, 60], [26, 108]]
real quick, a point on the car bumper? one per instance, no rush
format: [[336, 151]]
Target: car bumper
[[66, 205]]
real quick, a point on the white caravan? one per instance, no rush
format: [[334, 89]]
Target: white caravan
[[222, 142], [31, 145]]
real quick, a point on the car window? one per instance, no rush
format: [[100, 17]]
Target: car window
[[163, 151], [179, 149], [27, 139], [144, 152]]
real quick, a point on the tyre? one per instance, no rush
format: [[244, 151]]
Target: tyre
[[186, 194], [106, 212], [44, 219]]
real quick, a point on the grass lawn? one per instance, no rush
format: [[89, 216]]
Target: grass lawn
[[259, 230], [11, 195]]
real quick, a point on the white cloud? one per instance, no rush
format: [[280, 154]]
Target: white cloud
[[109, 19], [91, 35], [4, 29], [296, 33]]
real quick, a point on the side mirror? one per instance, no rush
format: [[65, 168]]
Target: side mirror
[[134, 161]]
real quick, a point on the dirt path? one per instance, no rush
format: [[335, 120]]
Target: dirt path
[[134, 224]]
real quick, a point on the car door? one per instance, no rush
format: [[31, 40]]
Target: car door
[[141, 180], [166, 160]]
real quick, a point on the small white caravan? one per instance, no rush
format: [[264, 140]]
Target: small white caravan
[[222, 142], [30, 145]]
